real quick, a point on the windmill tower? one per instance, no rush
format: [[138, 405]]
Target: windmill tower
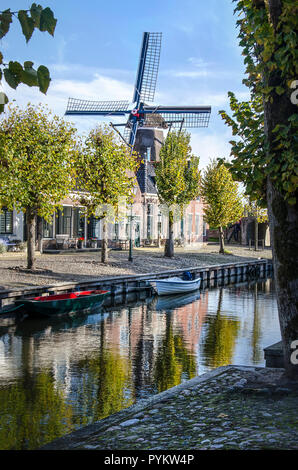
[[143, 129], [141, 117]]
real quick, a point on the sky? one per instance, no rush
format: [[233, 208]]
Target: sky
[[95, 51]]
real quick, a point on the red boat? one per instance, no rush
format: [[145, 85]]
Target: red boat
[[82, 301]]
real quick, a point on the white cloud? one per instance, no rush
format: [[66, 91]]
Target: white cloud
[[207, 144], [99, 88], [210, 145], [198, 62], [187, 29], [191, 73]]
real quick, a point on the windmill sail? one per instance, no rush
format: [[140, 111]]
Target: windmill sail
[[142, 115], [148, 68], [100, 108], [179, 116]]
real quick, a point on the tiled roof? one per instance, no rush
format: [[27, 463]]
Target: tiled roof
[[146, 178]]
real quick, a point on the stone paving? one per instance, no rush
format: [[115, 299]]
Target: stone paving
[[76, 267], [235, 408]]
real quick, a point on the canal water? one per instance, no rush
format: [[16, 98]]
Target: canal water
[[59, 375]]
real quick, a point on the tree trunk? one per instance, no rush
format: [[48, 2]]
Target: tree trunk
[[221, 241], [256, 234], [169, 246], [31, 224], [39, 233], [283, 220], [104, 242]]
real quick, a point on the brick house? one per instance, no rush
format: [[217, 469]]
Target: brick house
[[150, 224]]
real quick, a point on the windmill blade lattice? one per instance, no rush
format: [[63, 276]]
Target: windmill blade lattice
[[126, 134], [105, 108], [148, 68], [142, 115], [179, 116]]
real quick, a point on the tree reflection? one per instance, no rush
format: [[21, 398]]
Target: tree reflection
[[107, 383], [32, 412], [256, 331], [172, 360], [222, 332]]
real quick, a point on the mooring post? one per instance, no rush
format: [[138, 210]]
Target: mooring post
[[208, 277]]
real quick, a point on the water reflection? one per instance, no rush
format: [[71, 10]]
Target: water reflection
[[59, 375], [222, 331]]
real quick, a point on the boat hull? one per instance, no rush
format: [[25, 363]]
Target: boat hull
[[171, 286], [75, 302]]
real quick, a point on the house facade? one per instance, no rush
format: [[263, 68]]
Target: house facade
[[145, 220]]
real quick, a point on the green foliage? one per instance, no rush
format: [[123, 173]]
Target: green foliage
[[271, 58], [249, 150], [105, 169], [37, 155], [177, 173], [253, 209], [15, 73], [221, 196]]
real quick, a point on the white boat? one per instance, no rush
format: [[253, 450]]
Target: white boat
[[175, 285]]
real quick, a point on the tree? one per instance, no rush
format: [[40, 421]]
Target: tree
[[222, 199], [268, 37], [247, 123], [14, 73], [37, 155], [253, 209], [106, 172], [177, 178]]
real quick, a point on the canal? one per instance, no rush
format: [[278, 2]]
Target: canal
[[59, 375]]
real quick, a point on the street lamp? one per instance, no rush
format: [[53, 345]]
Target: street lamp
[[131, 217]]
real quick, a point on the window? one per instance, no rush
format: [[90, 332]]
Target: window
[[47, 229], [149, 220], [64, 221], [204, 229], [94, 227], [116, 231], [197, 222], [189, 224], [78, 222], [159, 224], [6, 221], [182, 227], [127, 227]]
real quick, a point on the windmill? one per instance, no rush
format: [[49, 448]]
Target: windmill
[[140, 115]]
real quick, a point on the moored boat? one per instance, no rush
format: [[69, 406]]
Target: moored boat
[[81, 301], [175, 285]]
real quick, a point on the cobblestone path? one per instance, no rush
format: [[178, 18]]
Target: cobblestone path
[[235, 410]]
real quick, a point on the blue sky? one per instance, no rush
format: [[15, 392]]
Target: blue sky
[[95, 50]]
